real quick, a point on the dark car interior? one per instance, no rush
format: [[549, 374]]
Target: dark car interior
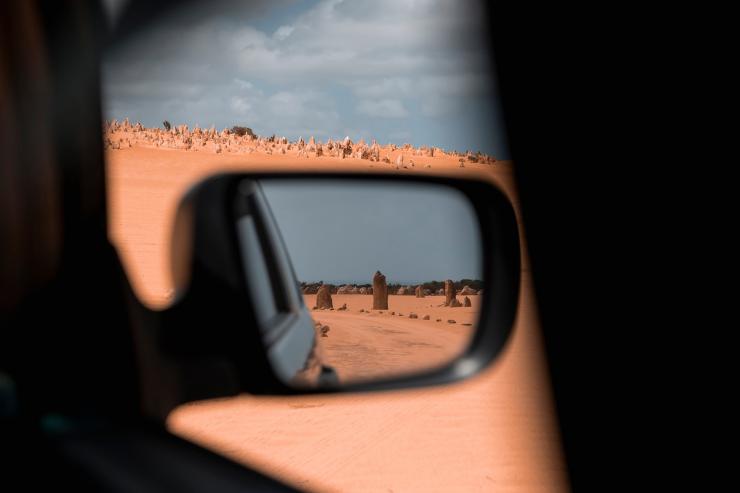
[[75, 406], [72, 408]]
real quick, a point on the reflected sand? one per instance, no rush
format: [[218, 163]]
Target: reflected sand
[[364, 344]]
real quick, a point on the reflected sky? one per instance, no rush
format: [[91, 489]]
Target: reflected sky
[[342, 232]]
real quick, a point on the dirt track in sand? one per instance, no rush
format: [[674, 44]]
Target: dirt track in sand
[[383, 343], [494, 432]]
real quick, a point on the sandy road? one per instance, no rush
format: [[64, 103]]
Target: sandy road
[[375, 344], [494, 432]]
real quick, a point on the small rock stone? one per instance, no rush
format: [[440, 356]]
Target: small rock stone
[[380, 292], [323, 297]]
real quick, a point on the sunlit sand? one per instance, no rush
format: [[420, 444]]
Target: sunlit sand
[[495, 432]]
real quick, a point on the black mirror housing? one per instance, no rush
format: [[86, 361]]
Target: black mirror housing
[[210, 343]]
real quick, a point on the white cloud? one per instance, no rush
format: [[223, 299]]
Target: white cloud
[[383, 108], [240, 105], [243, 84], [384, 87], [246, 38], [322, 71], [283, 32]]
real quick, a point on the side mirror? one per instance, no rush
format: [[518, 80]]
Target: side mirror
[[295, 283]]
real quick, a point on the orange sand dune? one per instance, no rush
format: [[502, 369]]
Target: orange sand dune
[[495, 432]]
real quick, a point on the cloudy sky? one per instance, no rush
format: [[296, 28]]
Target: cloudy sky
[[398, 71], [343, 232]]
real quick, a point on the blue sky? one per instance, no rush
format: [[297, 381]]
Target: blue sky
[[343, 232], [395, 70]]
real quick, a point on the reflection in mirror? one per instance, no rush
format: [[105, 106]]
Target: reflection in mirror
[[390, 272]]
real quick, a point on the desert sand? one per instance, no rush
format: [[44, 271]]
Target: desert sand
[[494, 432], [145, 183], [369, 344]]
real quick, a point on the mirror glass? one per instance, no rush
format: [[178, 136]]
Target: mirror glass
[[388, 274]]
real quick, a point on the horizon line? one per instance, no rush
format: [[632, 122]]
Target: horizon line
[[334, 282]]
